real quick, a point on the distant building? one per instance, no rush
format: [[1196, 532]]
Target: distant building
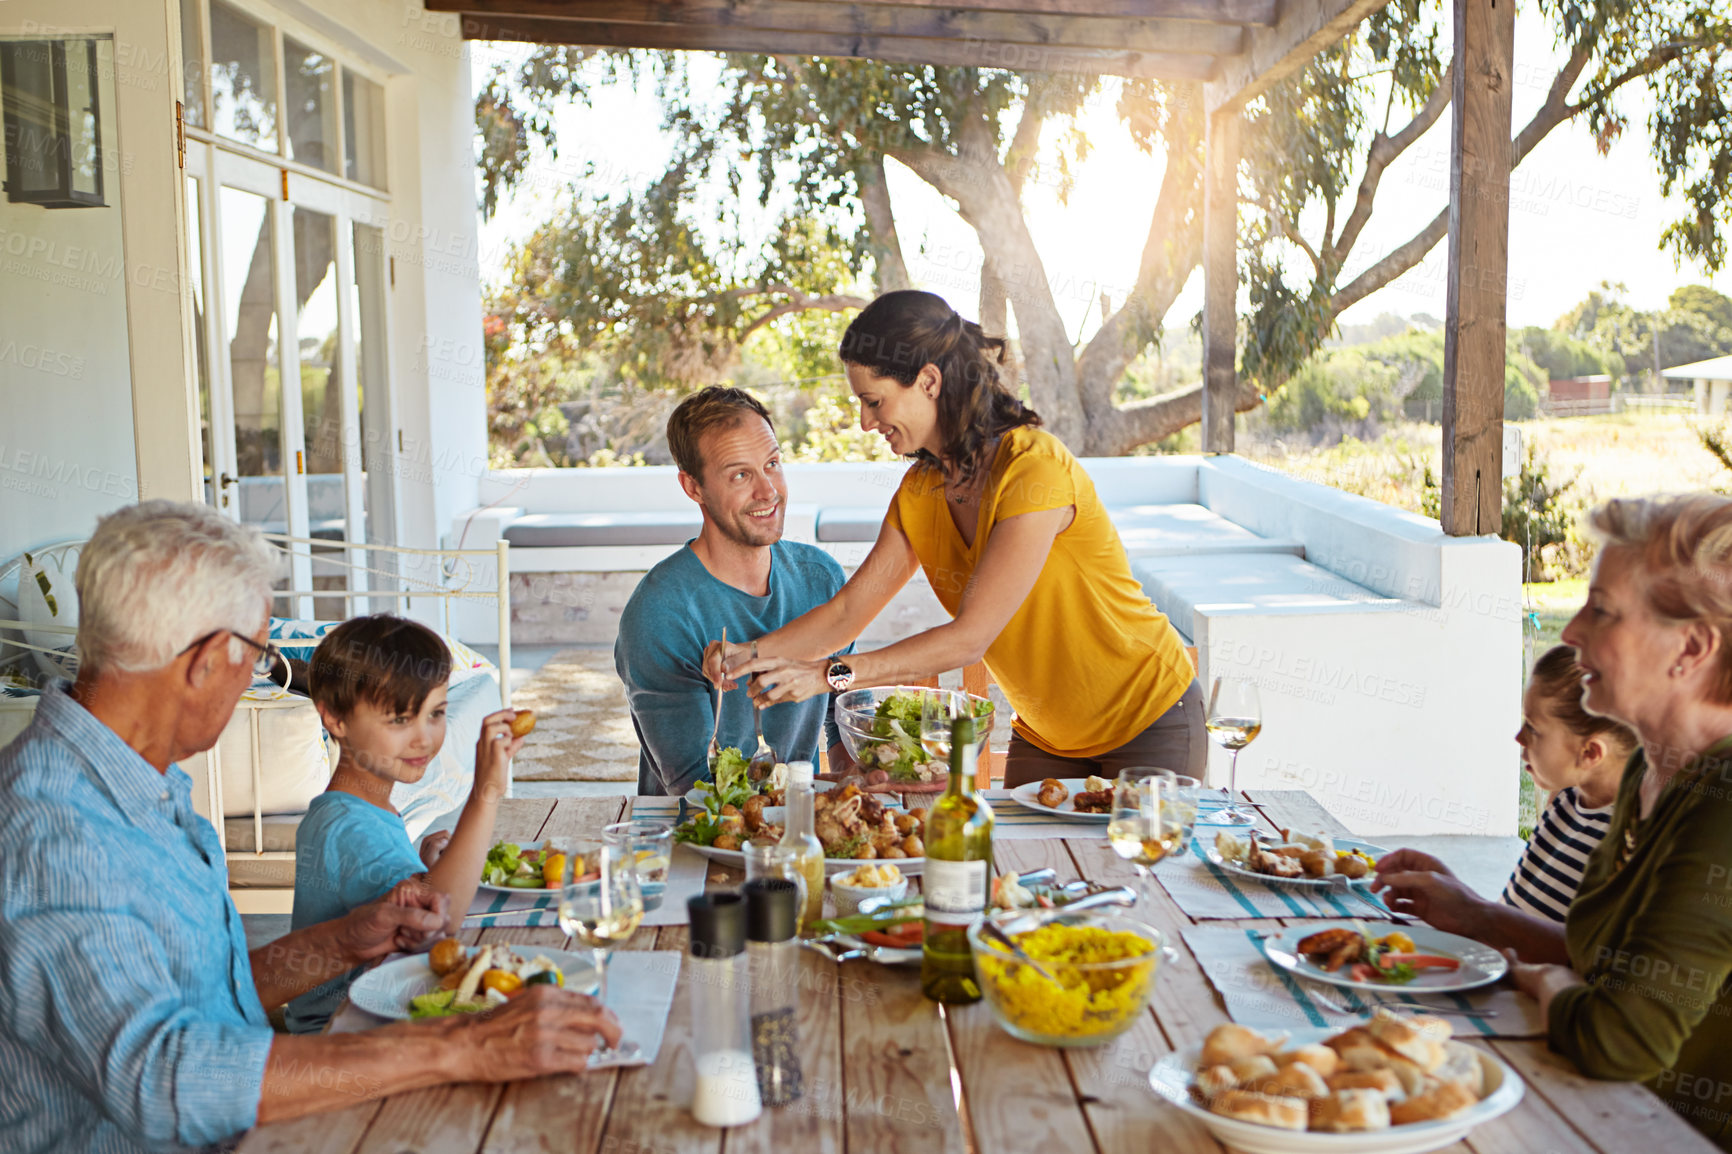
[[1579, 396], [1712, 381]]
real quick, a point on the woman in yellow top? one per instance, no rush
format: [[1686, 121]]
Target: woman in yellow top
[[1010, 533]]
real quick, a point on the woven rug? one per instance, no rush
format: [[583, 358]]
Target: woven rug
[[583, 729]]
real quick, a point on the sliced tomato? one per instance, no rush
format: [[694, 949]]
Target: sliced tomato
[[900, 937], [1361, 972], [1420, 961]]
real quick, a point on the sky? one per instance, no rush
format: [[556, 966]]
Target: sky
[[1576, 217]]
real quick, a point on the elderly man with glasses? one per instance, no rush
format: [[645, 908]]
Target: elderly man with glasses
[[132, 1015]]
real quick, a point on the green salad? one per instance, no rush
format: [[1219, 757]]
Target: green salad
[[730, 787], [898, 750]]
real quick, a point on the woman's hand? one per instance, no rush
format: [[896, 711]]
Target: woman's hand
[[1441, 900], [719, 668], [1412, 861], [778, 679], [1541, 982]]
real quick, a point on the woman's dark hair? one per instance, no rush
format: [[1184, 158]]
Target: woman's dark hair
[[902, 332], [1558, 678], [387, 661]]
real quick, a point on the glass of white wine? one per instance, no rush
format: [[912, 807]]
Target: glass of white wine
[[938, 710], [1139, 830], [1234, 720], [603, 913], [1179, 796]]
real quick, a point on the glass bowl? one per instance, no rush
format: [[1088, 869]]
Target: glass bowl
[[1105, 963], [865, 734]]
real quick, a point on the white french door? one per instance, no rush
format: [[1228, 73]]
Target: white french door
[[289, 294]]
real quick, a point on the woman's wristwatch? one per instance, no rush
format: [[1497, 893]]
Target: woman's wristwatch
[[840, 675]]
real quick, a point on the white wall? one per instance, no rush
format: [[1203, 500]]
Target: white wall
[[66, 429]]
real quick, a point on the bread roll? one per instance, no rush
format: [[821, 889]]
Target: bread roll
[[1285, 1113], [1350, 1110], [1383, 1081], [1320, 1058], [523, 723], [1360, 1051], [1252, 1068], [1420, 1040], [1229, 1042], [1294, 1080], [1441, 1100], [1216, 1080], [1461, 1065]]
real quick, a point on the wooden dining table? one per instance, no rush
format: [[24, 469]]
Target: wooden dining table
[[887, 1071]]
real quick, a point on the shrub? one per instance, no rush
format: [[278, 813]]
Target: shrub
[[1538, 515]]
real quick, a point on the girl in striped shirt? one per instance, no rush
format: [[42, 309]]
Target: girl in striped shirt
[[1573, 755]]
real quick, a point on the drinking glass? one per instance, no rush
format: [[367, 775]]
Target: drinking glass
[[1135, 828], [650, 844], [765, 858], [938, 708], [1179, 798], [1235, 718], [605, 913]]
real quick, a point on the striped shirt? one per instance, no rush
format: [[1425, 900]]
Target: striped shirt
[[128, 1015], [1550, 870]]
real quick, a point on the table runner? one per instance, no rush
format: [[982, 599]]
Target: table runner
[[640, 992], [1263, 996], [1205, 890], [686, 873]]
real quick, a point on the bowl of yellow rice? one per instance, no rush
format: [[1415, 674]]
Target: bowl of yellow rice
[[1105, 965]]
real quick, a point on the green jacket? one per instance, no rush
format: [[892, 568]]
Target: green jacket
[[1650, 932]]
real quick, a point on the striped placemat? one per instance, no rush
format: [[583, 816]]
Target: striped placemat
[[1205, 890], [1265, 997]]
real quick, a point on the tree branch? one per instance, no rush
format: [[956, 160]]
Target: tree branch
[[889, 269], [798, 302], [1384, 149]]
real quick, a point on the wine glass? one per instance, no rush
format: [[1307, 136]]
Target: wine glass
[[1235, 718], [1135, 828], [603, 913], [938, 710]]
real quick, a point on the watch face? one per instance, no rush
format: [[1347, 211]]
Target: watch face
[[840, 676]]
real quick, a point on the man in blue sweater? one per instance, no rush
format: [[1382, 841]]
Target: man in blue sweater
[[737, 574]]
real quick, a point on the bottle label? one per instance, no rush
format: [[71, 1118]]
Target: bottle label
[[954, 888]]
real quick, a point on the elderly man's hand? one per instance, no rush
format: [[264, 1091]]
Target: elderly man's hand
[[408, 919], [544, 1030]]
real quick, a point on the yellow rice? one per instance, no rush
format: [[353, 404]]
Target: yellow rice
[[1092, 1001]]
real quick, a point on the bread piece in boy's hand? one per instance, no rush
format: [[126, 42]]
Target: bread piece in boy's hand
[[523, 723]]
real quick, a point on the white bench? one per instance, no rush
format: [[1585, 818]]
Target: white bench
[[1388, 655]]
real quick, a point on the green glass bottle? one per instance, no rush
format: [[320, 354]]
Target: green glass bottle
[[958, 858]]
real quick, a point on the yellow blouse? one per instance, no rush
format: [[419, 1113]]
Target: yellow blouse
[[1087, 662]]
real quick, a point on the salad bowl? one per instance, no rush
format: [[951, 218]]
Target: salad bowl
[[880, 728]]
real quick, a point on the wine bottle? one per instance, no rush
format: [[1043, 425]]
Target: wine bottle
[[800, 839], [958, 856]]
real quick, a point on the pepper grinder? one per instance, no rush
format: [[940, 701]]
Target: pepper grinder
[[772, 921]]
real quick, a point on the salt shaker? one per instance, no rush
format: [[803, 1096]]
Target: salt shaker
[[772, 921], [726, 1093]]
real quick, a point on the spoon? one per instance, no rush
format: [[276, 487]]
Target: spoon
[[990, 929], [715, 749]]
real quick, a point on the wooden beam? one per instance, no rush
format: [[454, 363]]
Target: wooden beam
[[1304, 29], [1171, 36], [1238, 12], [1220, 279], [1473, 331], [894, 49]]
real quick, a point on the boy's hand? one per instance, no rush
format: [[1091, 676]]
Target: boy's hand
[[493, 752], [433, 845]]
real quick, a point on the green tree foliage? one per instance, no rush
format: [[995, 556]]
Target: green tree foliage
[[1632, 342]]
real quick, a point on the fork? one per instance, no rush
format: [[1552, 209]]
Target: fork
[[764, 758], [715, 749], [1330, 1002]]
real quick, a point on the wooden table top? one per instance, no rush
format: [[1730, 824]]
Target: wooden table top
[[888, 1071]]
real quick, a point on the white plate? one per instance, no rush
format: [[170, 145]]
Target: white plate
[[1172, 1075], [695, 797], [385, 990], [1480, 964], [1024, 795], [1213, 856]]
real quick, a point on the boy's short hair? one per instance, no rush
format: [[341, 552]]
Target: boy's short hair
[[385, 660], [715, 406]]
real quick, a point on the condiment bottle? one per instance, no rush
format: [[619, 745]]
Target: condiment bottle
[[958, 853], [772, 923], [800, 839], [726, 1092]]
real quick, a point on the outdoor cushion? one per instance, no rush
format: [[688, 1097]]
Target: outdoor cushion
[[850, 523], [556, 530], [1179, 586], [279, 831], [1177, 530]]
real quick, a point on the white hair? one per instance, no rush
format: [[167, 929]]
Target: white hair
[[159, 575]]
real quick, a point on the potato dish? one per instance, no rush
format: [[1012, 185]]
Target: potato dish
[[1104, 976], [1395, 1070]]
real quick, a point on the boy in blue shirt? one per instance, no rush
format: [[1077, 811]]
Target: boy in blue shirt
[[379, 685]]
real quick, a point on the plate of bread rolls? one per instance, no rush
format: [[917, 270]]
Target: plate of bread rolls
[[1399, 1084]]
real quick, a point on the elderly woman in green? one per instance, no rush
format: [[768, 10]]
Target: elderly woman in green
[[1646, 995]]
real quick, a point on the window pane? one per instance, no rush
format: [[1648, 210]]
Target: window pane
[[363, 130], [32, 160], [195, 281], [243, 77], [316, 334], [192, 60], [312, 105], [82, 135], [249, 291]]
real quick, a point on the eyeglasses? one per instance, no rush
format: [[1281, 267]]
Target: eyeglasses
[[262, 665]]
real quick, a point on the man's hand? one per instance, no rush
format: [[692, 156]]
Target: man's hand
[[1441, 900], [494, 750], [718, 672], [433, 845], [544, 1030], [408, 919], [779, 679]]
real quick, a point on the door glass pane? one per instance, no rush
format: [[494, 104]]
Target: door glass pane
[[249, 292], [195, 282], [312, 105], [192, 61], [373, 397], [316, 333], [363, 130], [243, 77], [83, 134]]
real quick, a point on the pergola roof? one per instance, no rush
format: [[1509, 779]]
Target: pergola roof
[[1236, 47]]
